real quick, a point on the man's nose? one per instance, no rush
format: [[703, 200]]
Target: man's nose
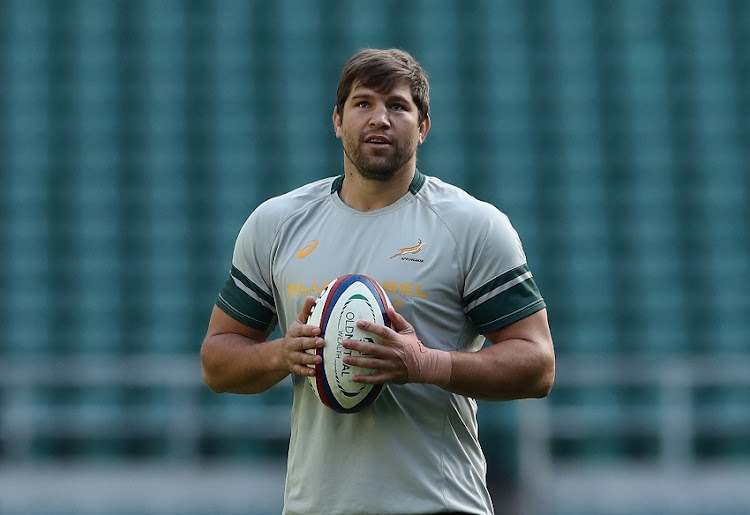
[[380, 116]]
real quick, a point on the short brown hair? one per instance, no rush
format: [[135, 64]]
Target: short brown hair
[[382, 70]]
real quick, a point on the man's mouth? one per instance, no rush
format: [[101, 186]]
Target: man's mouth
[[377, 140]]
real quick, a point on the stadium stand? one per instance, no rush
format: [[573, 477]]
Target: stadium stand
[[135, 137]]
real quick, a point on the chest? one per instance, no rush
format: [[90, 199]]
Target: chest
[[412, 255]]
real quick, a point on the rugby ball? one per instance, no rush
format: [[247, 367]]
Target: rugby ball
[[340, 305]]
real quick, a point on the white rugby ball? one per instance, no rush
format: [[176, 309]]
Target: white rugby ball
[[340, 305]]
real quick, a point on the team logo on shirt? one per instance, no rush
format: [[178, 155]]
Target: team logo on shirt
[[414, 249], [307, 249]]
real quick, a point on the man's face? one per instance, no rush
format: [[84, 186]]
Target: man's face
[[380, 132]]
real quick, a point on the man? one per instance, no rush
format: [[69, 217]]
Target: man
[[456, 272]]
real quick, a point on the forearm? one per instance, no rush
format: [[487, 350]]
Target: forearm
[[508, 370], [236, 364]]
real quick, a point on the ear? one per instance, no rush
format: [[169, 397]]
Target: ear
[[424, 128], [336, 118]]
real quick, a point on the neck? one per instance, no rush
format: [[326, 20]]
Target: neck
[[368, 195]]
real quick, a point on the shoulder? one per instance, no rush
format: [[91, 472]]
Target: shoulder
[[276, 210], [267, 220], [483, 234], [295, 200], [459, 208]]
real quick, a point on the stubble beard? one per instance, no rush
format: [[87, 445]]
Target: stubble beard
[[378, 168]]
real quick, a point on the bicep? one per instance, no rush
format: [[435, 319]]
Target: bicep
[[221, 323], [519, 364], [533, 328]]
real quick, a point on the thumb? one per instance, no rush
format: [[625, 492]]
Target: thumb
[[399, 323], [306, 310]]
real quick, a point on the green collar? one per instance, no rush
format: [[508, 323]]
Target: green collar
[[416, 183]]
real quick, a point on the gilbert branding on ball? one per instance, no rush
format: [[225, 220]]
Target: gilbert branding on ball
[[342, 303]]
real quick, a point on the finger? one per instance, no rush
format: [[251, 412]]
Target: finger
[[304, 359], [364, 362], [303, 370], [363, 346], [371, 379], [304, 344], [386, 333], [398, 322], [377, 378], [304, 363], [304, 331], [306, 310], [382, 351]]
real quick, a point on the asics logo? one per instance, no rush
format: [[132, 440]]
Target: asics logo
[[307, 249], [409, 250]]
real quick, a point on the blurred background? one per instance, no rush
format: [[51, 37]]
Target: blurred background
[[136, 137]]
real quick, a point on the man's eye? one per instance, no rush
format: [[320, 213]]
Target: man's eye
[[397, 107], [362, 104]]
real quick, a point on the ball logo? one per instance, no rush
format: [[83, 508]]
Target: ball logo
[[355, 308]]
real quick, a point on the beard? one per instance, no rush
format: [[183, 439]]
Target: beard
[[381, 165]]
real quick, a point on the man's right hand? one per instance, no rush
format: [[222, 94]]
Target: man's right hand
[[298, 339], [239, 359]]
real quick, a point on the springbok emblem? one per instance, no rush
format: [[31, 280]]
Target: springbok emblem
[[409, 250]]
